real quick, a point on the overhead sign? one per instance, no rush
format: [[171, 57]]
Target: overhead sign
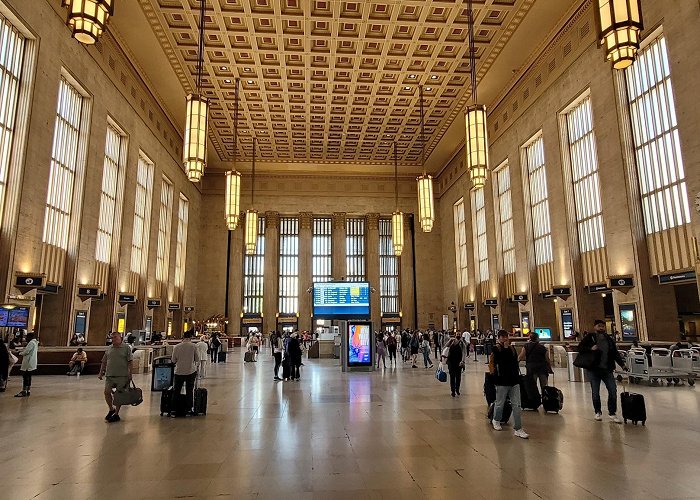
[[491, 302], [391, 319], [561, 291], [470, 305], [49, 289], [28, 281], [251, 320], [598, 288], [153, 303], [189, 309], [88, 291], [519, 297], [127, 298], [174, 306], [677, 277], [621, 282]]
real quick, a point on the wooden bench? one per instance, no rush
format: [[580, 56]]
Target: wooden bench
[[54, 361]]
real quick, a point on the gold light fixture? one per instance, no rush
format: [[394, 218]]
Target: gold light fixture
[[619, 24], [426, 210], [88, 18], [477, 143], [196, 123], [233, 177], [251, 215], [397, 216]]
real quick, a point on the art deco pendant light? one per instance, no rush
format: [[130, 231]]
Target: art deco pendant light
[[397, 216], [233, 176], [195, 150], [619, 24], [426, 207], [476, 146], [251, 215], [88, 18]]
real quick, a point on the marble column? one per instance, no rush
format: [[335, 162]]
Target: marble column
[[407, 277], [305, 269], [338, 245], [272, 264], [372, 266], [235, 284]]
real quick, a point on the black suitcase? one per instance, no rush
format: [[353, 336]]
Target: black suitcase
[[221, 357], [200, 401], [248, 357], [529, 395], [166, 398], [552, 399], [286, 368], [181, 405], [507, 410], [633, 407], [489, 388]]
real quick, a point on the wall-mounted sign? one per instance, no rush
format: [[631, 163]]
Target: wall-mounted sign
[[525, 323], [685, 277], [153, 303], [567, 322], [287, 319], [598, 288], [393, 319], [174, 306], [547, 294], [29, 281], [491, 302], [127, 298], [88, 291], [628, 322], [469, 306], [189, 309], [495, 322], [252, 320], [520, 297], [561, 291], [49, 289], [621, 282]]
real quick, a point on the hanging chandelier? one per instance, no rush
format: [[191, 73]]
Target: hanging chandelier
[[619, 24], [397, 216], [251, 215], [426, 209], [88, 18], [195, 150], [477, 143], [233, 177]]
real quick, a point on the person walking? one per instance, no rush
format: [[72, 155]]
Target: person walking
[[186, 358], [214, 347], [294, 353], [381, 350], [425, 348], [277, 350], [601, 342], [254, 345], [116, 371], [29, 361], [438, 342], [537, 366], [414, 345], [391, 347], [503, 365], [203, 350], [455, 362]]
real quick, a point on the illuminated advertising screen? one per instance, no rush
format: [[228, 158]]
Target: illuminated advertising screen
[[18, 317], [3, 316], [544, 333], [359, 344], [341, 300]]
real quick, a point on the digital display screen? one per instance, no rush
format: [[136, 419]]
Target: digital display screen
[[343, 300], [628, 322], [3, 317], [544, 333], [18, 317], [162, 377], [359, 344]]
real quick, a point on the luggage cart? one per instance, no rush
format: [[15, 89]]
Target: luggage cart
[[654, 369], [686, 363]]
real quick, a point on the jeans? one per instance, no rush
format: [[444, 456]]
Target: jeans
[[214, 351], [426, 358], [26, 380], [596, 377], [278, 362], [455, 379], [503, 392], [542, 377], [188, 380], [381, 356], [392, 354]]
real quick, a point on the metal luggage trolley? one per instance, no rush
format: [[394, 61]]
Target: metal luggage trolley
[[686, 364], [654, 369]]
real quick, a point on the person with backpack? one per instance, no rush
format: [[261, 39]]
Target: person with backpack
[[414, 345], [214, 347], [381, 350], [503, 365], [537, 366], [454, 355], [425, 349], [391, 347]]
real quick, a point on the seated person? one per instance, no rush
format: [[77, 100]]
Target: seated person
[[77, 362], [156, 338]]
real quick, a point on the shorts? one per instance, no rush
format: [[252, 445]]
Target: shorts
[[414, 350], [255, 348], [116, 382]]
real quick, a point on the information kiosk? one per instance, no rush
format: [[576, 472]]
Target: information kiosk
[[348, 303]]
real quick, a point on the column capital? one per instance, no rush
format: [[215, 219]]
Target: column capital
[[272, 219], [339, 219], [305, 220], [373, 221]]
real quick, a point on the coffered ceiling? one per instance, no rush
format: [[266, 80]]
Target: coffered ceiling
[[329, 84]]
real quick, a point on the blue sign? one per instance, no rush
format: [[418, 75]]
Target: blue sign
[[341, 300]]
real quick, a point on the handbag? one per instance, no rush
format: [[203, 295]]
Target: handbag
[[440, 374], [130, 395], [588, 360]]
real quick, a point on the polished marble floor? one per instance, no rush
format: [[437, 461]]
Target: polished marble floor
[[392, 434]]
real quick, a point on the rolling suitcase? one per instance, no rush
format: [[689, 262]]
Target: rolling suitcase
[[489, 388], [221, 357], [248, 357], [552, 399], [200, 401], [529, 395], [166, 398], [633, 407], [507, 410]]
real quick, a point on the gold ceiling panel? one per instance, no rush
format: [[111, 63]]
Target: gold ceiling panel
[[332, 81]]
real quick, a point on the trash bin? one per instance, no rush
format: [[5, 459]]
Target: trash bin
[[576, 374]]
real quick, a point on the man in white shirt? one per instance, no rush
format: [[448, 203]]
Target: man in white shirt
[[186, 358], [468, 339], [203, 350]]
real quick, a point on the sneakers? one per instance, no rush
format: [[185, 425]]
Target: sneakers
[[615, 419], [114, 418], [277, 378], [22, 394], [598, 416], [521, 434], [109, 415], [496, 425]]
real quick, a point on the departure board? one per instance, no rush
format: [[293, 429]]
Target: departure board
[[341, 300]]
